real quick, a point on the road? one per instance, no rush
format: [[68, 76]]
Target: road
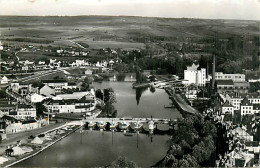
[[13, 138]]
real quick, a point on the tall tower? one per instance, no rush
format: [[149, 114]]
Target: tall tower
[[213, 72], [1, 48]]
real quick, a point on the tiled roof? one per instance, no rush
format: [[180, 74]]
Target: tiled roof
[[227, 104], [246, 102], [243, 95], [54, 81]]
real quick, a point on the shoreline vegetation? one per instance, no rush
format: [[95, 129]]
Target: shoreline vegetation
[[192, 144]]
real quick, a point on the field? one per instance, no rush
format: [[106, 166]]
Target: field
[[116, 32]]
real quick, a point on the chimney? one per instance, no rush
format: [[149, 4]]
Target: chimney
[[213, 73]]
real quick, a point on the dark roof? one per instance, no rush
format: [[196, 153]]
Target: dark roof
[[225, 82], [227, 104], [24, 106], [29, 121], [72, 84], [41, 86], [7, 106], [5, 117], [241, 84], [70, 101], [242, 95], [54, 81], [246, 102]]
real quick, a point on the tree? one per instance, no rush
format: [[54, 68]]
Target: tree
[[123, 162], [99, 94], [2, 94], [109, 96], [40, 108]]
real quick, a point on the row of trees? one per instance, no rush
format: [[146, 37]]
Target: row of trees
[[192, 144]]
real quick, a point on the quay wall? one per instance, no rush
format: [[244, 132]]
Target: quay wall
[[49, 145]]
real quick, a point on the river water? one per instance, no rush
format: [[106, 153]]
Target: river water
[[95, 148]]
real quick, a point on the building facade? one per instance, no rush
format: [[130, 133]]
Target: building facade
[[233, 77], [197, 77]]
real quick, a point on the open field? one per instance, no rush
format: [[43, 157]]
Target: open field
[[117, 32]]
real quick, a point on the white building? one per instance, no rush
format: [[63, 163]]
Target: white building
[[234, 77], [57, 84], [4, 80], [80, 62], [25, 112], [88, 72], [197, 77], [36, 98], [227, 108]]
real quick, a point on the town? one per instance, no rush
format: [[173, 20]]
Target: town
[[47, 93]]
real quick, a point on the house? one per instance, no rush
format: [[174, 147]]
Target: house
[[14, 127], [241, 87], [227, 108], [224, 86], [71, 85], [6, 109], [36, 98], [80, 62], [4, 80], [236, 98], [57, 84], [88, 72], [246, 107], [46, 90], [25, 112], [241, 133]]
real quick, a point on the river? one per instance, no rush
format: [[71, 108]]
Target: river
[[95, 148]]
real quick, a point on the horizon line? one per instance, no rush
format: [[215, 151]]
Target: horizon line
[[128, 16]]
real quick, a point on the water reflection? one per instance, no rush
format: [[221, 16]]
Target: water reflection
[[138, 94], [95, 149]]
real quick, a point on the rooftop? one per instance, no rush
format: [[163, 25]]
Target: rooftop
[[225, 82], [246, 102], [54, 81], [242, 95], [25, 106], [227, 104]]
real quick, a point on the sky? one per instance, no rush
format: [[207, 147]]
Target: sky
[[206, 9]]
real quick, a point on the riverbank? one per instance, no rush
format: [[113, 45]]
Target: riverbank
[[28, 148], [141, 85]]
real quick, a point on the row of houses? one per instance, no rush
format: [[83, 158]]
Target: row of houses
[[243, 104], [17, 111]]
